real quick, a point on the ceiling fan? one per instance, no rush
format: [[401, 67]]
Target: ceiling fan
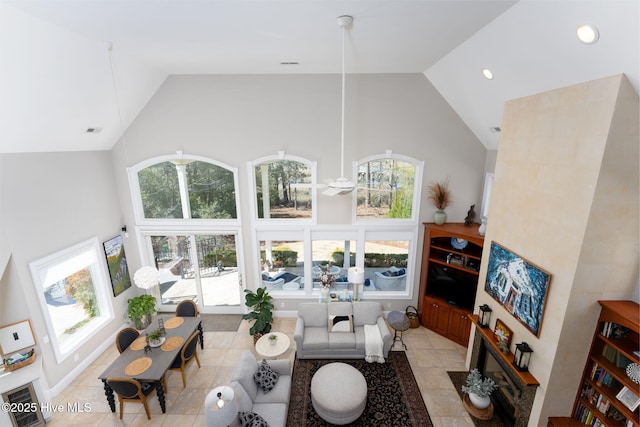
[[341, 185]]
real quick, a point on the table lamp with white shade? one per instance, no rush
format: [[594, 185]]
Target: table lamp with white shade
[[355, 275], [220, 407]]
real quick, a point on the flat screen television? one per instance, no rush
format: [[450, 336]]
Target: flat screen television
[[456, 290]]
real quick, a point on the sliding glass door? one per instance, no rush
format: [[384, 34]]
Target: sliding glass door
[[199, 267]]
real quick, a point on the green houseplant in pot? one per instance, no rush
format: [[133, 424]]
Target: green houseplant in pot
[[479, 389], [261, 312], [140, 309], [155, 337]]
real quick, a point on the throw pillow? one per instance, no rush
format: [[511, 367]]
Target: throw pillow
[[251, 419], [265, 377], [340, 323]]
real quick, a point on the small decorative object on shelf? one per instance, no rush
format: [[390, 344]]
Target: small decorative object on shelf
[[633, 372], [19, 360], [440, 196], [272, 339], [485, 315], [522, 356], [471, 215]]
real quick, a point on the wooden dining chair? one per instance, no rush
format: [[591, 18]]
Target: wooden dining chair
[[130, 390], [188, 308], [125, 337], [186, 355]]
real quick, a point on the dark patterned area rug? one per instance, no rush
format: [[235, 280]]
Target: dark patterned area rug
[[458, 379], [393, 396]]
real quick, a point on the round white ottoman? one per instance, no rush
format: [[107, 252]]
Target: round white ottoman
[[338, 393]]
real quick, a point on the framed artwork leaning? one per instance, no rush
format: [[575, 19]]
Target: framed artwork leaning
[[520, 286], [117, 265], [502, 333]]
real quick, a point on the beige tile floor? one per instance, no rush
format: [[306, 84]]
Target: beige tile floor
[[430, 356]]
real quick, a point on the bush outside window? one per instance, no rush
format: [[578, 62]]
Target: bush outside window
[[386, 188], [74, 294]]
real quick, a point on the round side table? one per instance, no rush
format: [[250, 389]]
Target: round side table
[[267, 349], [400, 323]]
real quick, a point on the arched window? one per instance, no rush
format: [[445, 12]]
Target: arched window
[[388, 188], [185, 188], [283, 187]]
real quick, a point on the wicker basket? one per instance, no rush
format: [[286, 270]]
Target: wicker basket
[[414, 322], [22, 363]]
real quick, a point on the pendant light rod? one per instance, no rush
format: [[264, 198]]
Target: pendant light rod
[[344, 21]]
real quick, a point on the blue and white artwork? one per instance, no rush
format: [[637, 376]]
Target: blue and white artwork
[[518, 285]]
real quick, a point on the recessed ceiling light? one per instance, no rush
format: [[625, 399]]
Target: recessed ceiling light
[[487, 73], [588, 34]]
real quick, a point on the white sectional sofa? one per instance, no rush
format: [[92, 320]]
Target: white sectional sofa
[[345, 340]]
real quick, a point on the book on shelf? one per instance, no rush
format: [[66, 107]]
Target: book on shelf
[[613, 330]]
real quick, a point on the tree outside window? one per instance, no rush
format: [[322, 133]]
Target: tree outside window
[[283, 189], [187, 189], [385, 189]]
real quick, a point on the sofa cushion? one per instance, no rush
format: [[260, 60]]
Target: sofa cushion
[[246, 367], [279, 394], [313, 313], [241, 397], [340, 323], [359, 334], [315, 338], [366, 312], [340, 317], [274, 413], [251, 419], [265, 377], [338, 340]]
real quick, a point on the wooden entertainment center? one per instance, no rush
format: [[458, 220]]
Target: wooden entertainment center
[[451, 255]]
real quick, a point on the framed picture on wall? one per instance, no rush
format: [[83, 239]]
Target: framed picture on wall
[[15, 337], [520, 286], [117, 264]]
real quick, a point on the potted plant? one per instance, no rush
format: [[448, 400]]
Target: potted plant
[[479, 389], [441, 198], [140, 309], [272, 339], [155, 337], [262, 312]]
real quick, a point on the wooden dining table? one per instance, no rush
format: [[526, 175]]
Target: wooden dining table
[[160, 358]]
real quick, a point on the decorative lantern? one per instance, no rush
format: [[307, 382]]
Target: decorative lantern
[[484, 316], [522, 356]]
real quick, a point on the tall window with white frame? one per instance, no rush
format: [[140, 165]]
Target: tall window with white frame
[[187, 213], [386, 188], [75, 295], [283, 189]]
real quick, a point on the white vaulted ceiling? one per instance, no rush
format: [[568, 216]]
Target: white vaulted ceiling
[[55, 66]]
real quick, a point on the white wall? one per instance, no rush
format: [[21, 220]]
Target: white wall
[[236, 119], [48, 202], [565, 197]]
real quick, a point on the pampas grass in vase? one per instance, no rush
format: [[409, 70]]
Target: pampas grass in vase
[[441, 198]]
